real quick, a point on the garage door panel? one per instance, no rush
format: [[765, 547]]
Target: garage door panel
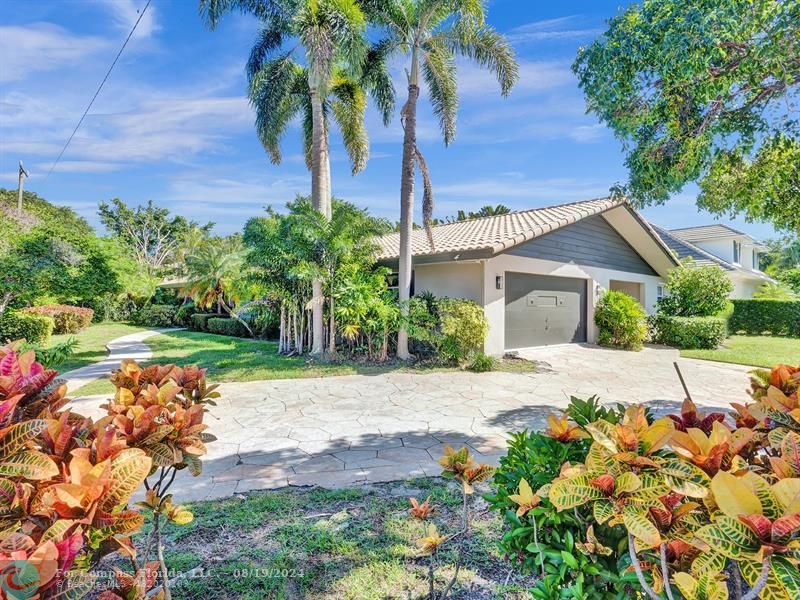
[[542, 310]]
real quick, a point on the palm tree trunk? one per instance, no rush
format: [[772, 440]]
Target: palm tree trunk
[[408, 117], [331, 329], [282, 330], [321, 199]]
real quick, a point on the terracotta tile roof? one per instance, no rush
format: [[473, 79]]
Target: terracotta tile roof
[[495, 233]]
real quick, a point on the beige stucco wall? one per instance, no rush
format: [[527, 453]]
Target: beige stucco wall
[[453, 279], [744, 288], [599, 281]]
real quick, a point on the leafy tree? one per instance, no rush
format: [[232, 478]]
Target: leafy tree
[[430, 34], [214, 271], [332, 34], [150, 232], [696, 291], [775, 291], [791, 278], [701, 90], [783, 253]]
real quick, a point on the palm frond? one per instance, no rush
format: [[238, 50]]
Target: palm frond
[[270, 38], [487, 48], [212, 11], [439, 71], [348, 105], [377, 81], [427, 194], [272, 95]]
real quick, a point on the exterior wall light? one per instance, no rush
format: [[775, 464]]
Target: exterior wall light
[[498, 282]]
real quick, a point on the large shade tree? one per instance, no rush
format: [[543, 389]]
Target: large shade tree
[[707, 91], [331, 35], [430, 34]]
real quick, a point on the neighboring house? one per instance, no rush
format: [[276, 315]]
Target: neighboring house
[[539, 273], [734, 251]]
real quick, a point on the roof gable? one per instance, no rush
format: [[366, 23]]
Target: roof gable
[[709, 232]]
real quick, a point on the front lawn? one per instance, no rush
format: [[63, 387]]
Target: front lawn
[[354, 544], [756, 350], [239, 359], [92, 343]]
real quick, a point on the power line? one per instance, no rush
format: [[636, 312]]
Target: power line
[[100, 87]]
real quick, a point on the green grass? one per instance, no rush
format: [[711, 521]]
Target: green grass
[[755, 350], [92, 343], [341, 544], [238, 359]]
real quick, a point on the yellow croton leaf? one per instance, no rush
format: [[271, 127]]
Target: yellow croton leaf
[[525, 499], [124, 396], [787, 492], [431, 541], [561, 429], [657, 435], [733, 496]]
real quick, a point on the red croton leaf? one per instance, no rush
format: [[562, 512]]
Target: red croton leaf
[[605, 483], [759, 524], [785, 527]]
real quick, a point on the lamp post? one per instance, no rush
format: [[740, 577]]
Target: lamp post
[[22, 172]]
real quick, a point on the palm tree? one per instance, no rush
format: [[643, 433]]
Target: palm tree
[[332, 34], [215, 270], [431, 33]]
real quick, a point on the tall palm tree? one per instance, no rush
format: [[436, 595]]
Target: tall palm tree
[[332, 35], [430, 34]]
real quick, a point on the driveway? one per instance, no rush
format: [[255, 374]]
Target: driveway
[[354, 430]]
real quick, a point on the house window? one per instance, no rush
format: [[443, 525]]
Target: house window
[[737, 252], [756, 259], [660, 292]]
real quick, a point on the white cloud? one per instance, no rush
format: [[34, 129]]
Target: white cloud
[[534, 77], [40, 47], [77, 166], [562, 28], [126, 12]]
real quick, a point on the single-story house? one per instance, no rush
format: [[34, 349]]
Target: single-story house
[[733, 251], [539, 273]]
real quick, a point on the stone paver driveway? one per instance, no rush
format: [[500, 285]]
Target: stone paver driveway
[[345, 431]]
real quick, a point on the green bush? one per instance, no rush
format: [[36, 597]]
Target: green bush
[[33, 328], [545, 540], [226, 326], [67, 319], [482, 363], [621, 321], [111, 308], [156, 315], [775, 291], [199, 321], [464, 328], [183, 316], [688, 332], [778, 317], [790, 277], [696, 291]]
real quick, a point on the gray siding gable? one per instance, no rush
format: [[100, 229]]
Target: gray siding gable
[[591, 242]]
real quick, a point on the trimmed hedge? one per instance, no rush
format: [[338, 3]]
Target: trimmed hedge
[[621, 321], [156, 315], [199, 321], [67, 319], [688, 332], [758, 316], [225, 326], [32, 327]]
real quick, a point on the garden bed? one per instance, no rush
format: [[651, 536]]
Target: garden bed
[[340, 544]]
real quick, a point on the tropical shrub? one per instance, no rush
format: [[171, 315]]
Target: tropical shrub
[[65, 485], [688, 332], [51, 356], [263, 317], [422, 324], [557, 547], [67, 319], [156, 315], [482, 363], [464, 328], [621, 321], [775, 291], [708, 505], [695, 291], [183, 316], [113, 308], [199, 321], [226, 326], [18, 325], [791, 278], [778, 317]]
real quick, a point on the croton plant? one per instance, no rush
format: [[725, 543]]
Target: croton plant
[[66, 482], [710, 503]]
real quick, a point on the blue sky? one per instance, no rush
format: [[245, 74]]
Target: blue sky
[[173, 125]]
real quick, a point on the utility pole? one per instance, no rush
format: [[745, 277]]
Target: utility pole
[[22, 172]]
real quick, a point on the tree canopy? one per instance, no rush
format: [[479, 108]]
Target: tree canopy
[[706, 91]]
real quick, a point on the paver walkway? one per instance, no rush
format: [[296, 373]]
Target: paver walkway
[[353, 430], [127, 346]]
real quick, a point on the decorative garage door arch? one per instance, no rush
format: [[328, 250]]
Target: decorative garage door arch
[[542, 310]]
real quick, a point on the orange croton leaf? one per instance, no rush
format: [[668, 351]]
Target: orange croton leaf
[[525, 499], [455, 462], [604, 483], [759, 524], [559, 428], [420, 511], [474, 475]]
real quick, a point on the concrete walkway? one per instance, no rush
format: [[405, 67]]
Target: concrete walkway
[[356, 430], [127, 346]]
